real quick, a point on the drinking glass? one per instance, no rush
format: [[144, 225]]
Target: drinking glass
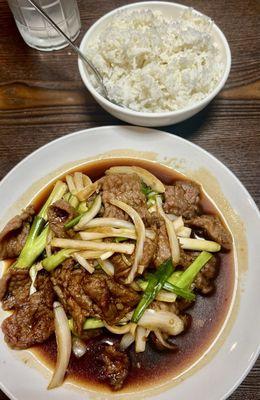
[[37, 32]]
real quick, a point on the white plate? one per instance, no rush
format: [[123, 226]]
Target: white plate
[[220, 375]]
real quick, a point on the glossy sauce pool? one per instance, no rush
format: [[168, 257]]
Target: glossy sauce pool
[[152, 368]]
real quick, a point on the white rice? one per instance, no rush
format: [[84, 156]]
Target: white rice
[[153, 63]]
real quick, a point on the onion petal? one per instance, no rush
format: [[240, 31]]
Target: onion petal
[[107, 267], [84, 263], [140, 233], [159, 336], [118, 330], [166, 321], [140, 339], [79, 347], [63, 338], [126, 341], [173, 241], [90, 214]]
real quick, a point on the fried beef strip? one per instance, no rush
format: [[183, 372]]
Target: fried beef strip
[[115, 366], [32, 321], [126, 188], [59, 213], [14, 234], [213, 229], [182, 198], [98, 295]]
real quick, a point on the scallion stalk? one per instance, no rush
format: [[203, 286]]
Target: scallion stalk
[[155, 284], [36, 240], [50, 263], [189, 275]]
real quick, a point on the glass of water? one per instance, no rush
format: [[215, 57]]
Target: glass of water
[[37, 32]]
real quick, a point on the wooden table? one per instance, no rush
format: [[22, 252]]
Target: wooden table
[[42, 98]]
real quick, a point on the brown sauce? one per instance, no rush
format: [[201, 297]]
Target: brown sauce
[[151, 368]]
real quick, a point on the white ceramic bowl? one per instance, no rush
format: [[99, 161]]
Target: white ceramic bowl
[[145, 118]]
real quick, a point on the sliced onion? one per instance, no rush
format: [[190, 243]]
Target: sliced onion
[[140, 339], [86, 180], [199, 245], [107, 267], [79, 347], [166, 321], [90, 214], [133, 327], [108, 232], [105, 231], [33, 275], [78, 181], [84, 263], [127, 248], [172, 217], [126, 260], [184, 232], [88, 191], [173, 241], [146, 176], [152, 209], [106, 255], [118, 330], [168, 297], [48, 243], [111, 222], [63, 339], [159, 336], [126, 341], [177, 223], [140, 232], [71, 184]]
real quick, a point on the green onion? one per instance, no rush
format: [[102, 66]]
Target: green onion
[[146, 189], [189, 275], [57, 193], [93, 323], [82, 207], [155, 284], [90, 323], [74, 221], [175, 277], [186, 294], [36, 240], [50, 263], [120, 239]]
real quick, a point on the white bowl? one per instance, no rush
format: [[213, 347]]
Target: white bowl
[[145, 118]]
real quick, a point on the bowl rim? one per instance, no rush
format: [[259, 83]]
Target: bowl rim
[[153, 115]]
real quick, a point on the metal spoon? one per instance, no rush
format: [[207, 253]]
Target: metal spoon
[[76, 49]]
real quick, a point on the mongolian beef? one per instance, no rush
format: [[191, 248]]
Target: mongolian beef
[[123, 254]]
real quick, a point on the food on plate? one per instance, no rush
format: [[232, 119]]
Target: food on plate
[[151, 62], [111, 270]]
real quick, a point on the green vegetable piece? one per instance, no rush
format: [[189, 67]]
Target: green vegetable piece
[[155, 284], [93, 323], [74, 221], [175, 277], [90, 323], [120, 239], [36, 240], [186, 294], [51, 262], [146, 189], [189, 275]]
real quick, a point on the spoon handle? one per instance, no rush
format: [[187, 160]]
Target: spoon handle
[[75, 48]]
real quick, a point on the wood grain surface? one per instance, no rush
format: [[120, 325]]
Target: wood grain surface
[[42, 98]]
